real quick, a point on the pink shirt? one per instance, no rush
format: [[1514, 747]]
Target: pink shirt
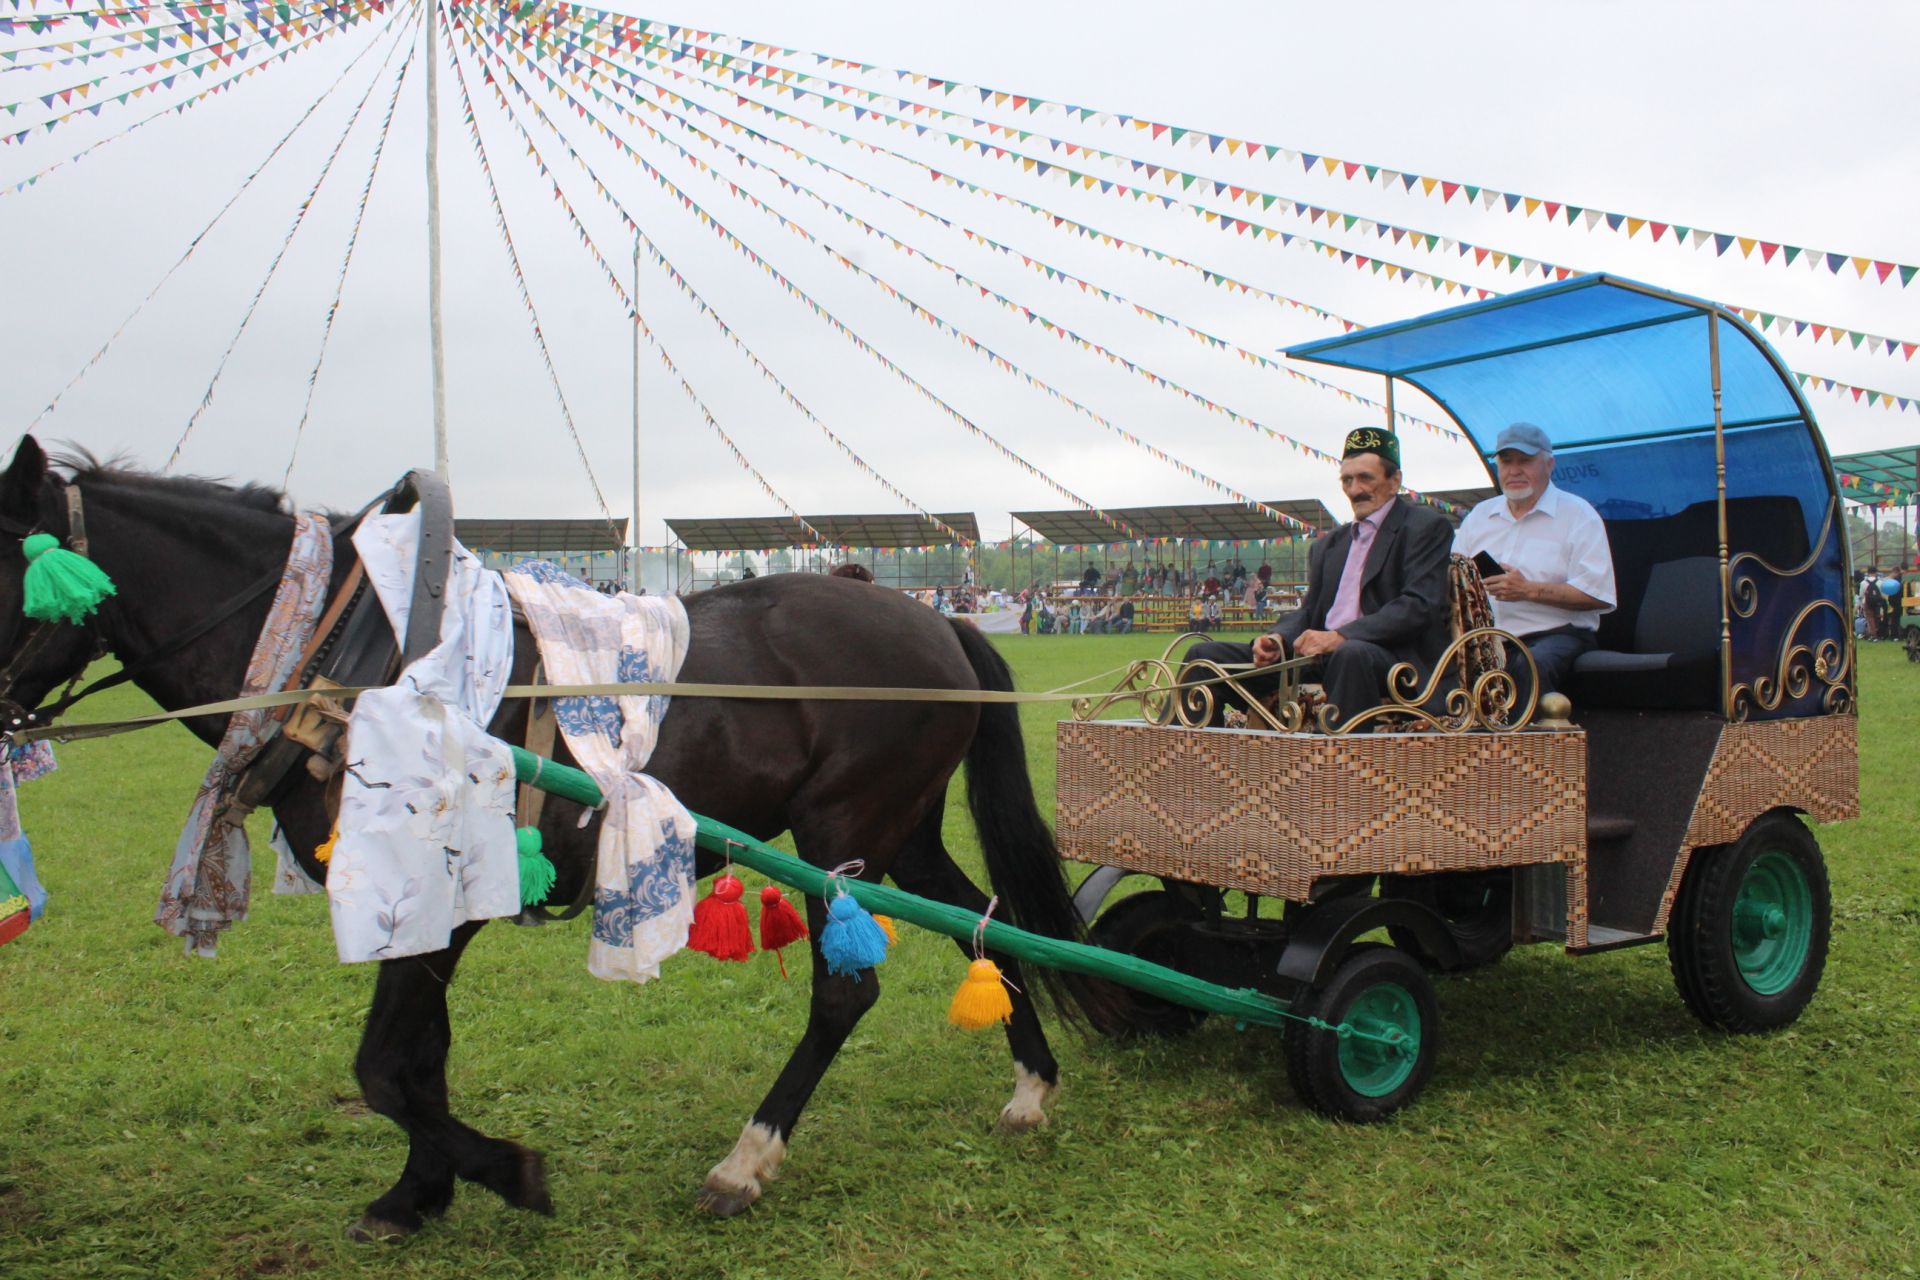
[[1346, 601]]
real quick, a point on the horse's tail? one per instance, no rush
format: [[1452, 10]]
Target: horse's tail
[[1022, 863]]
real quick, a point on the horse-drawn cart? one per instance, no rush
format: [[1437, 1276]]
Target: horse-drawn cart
[[1716, 713]]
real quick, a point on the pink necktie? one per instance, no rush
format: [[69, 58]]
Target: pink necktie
[[1346, 601]]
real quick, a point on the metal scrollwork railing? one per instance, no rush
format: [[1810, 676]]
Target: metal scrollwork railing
[[1743, 593], [1799, 666], [1491, 702]]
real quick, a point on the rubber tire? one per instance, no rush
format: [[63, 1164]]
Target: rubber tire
[[1700, 933], [1142, 924], [1313, 1055], [1484, 933]]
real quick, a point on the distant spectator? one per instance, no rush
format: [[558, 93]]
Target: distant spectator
[[1122, 621]]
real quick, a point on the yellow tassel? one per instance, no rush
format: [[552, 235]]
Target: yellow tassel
[[323, 852], [886, 927], [981, 1000]]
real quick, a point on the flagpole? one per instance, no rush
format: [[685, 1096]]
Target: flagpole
[[634, 528], [437, 341]]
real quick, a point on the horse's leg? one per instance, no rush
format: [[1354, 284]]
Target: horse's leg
[[837, 1004], [402, 1066], [925, 867]]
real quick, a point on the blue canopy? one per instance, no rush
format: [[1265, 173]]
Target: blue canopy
[[1595, 359]]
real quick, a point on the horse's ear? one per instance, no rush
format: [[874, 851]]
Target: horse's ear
[[20, 487]]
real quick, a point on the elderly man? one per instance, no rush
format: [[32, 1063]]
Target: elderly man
[[1558, 576], [1376, 589]]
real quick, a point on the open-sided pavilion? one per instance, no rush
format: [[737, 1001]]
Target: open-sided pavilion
[[1170, 531], [833, 536], [1883, 480]]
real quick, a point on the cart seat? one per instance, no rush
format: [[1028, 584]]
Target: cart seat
[[1661, 646]]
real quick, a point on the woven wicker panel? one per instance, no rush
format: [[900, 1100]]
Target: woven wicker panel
[[1270, 813], [1811, 764]]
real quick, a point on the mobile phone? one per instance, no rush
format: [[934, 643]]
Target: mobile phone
[[1488, 566]]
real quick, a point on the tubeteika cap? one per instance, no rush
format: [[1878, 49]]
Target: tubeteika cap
[[1373, 440]]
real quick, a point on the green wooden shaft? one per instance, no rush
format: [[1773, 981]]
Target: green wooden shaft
[[1241, 1004]]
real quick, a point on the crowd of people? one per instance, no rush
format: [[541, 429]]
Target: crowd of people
[[1876, 613]]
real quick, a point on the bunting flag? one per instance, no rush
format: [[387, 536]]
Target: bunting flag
[[299, 219], [859, 343], [1884, 494], [346, 260], [520, 282], [193, 244], [361, 11], [755, 58], [930, 317], [1334, 219], [139, 28], [673, 274], [1859, 395]]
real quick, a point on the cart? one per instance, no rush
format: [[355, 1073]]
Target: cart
[[1714, 719]]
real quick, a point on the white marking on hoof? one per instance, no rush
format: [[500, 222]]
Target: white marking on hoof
[[1031, 1095], [734, 1183]]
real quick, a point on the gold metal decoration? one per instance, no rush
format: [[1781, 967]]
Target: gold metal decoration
[[1489, 703], [1167, 691], [1798, 666], [1745, 594]]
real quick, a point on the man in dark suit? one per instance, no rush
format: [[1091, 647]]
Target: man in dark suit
[[1376, 591]]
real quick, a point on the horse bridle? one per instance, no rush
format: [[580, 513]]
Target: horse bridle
[[14, 716]]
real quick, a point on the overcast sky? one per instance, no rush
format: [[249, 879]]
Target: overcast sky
[[1782, 121]]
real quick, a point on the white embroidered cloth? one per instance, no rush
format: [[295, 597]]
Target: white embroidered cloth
[[426, 828], [643, 889]]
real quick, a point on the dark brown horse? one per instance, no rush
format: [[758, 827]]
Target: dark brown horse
[[848, 779]]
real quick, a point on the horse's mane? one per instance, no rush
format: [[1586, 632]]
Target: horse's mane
[[119, 471]]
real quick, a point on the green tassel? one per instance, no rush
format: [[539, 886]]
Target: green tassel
[[61, 584], [536, 869]]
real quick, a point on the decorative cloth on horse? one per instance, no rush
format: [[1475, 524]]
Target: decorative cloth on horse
[[17, 877], [643, 894], [207, 886], [426, 807]]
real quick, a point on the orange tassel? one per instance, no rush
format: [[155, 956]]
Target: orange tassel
[[720, 922], [886, 927], [981, 1000]]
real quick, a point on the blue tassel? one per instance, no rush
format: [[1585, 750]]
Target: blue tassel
[[851, 941]]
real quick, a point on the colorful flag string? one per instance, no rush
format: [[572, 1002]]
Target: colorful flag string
[[520, 281], [673, 274], [1387, 179], [299, 219], [193, 244], [346, 261], [859, 343], [182, 105], [922, 312]]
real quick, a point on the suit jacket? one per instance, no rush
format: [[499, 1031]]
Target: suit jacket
[[1403, 598]]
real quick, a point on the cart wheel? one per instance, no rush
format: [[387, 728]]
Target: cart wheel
[[1375, 991], [1477, 907], [1749, 935], [1149, 925]]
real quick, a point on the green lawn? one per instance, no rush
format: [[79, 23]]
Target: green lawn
[[185, 1118]]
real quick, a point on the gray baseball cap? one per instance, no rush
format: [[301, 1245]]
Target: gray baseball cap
[[1524, 437]]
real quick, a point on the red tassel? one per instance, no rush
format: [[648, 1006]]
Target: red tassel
[[780, 924], [720, 922]]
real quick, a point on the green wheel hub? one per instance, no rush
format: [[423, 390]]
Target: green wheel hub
[[1381, 1057], [1772, 923]]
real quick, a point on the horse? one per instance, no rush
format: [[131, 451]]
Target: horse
[[846, 778]]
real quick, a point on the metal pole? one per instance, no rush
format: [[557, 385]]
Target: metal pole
[[634, 530], [437, 339], [1720, 480]]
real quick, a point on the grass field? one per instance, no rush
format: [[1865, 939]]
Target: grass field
[[167, 1117]]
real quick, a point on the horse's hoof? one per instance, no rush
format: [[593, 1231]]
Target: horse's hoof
[[372, 1230], [720, 1201], [532, 1190], [1027, 1109], [1015, 1118]]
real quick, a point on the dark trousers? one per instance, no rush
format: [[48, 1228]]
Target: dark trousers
[[1553, 654], [1354, 676]]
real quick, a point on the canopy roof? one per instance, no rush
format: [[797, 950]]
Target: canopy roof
[[1217, 522], [518, 537], [1592, 360], [763, 533], [1889, 468]]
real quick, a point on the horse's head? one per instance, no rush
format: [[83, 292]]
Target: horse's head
[[35, 657]]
